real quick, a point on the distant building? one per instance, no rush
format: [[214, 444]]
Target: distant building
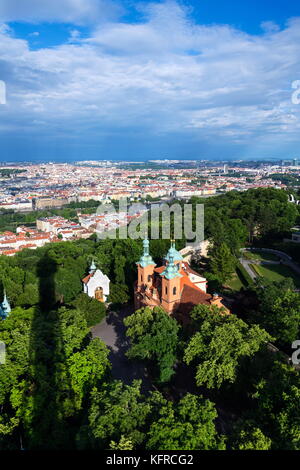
[[96, 284], [48, 202], [174, 286], [4, 308]]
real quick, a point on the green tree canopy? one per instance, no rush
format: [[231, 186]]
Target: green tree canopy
[[219, 345], [222, 262], [189, 425], [154, 336]]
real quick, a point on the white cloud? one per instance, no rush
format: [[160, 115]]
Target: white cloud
[[68, 11], [162, 76], [269, 26]]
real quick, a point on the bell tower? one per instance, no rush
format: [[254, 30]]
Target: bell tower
[[170, 286], [146, 267]]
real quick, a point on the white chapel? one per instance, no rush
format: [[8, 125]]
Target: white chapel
[[96, 284]]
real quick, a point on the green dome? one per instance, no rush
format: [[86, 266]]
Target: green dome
[[93, 267], [146, 258], [174, 254], [171, 270]]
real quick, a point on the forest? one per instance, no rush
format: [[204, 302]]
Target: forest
[[216, 383]]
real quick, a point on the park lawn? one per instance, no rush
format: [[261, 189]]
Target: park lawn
[[261, 256], [276, 272], [235, 283]]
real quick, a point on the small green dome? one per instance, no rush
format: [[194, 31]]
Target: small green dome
[[146, 258], [93, 267], [171, 270], [173, 253]]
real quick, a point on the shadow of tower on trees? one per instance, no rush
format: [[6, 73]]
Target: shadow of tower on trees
[[48, 427]]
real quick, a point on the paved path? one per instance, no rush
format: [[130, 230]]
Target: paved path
[[112, 331], [284, 259], [246, 265]]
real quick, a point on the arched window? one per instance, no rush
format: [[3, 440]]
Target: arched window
[[166, 290], [149, 277], [174, 290]]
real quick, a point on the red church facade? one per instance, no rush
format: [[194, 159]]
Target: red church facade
[[175, 286]]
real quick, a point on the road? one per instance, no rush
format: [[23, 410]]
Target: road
[[112, 332]]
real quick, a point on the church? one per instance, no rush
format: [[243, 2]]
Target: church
[[4, 308], [175, 286], [96, 284]]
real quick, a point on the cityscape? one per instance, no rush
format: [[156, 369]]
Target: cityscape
[[149, 230]]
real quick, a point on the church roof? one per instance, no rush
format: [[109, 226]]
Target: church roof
[[171, 270], [86, 279], [191, 296], [173, 253], [146, 258]]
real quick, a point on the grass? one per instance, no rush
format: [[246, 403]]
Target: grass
[[261, 256], [235, 283], [276, 272]]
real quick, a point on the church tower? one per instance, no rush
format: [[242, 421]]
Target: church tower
[[146, 267], [170, 287], [5, 307], [173, 253]]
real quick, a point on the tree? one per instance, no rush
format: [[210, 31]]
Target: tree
[[222, 262], [92, 310], [189, 425], [67, 285], [118, 294], [279, 311], [87, 368], [116, 410], [277, 398], [219, 345], [248, 436], [154, 336], [15, 333], [123, 444]]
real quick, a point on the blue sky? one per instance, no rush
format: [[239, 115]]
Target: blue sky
[[99, 79]]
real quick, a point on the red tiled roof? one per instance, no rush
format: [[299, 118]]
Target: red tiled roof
[[160, 269], [86, 279], [191, 296]]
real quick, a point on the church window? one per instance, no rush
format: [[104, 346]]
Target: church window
[[149, 277], [174, 290], [166, 290]]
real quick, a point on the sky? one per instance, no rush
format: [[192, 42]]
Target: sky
[[138, 80]]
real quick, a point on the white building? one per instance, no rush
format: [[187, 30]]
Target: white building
[[96, 284]]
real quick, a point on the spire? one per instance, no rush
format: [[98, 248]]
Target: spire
[[5, 308], [146, 258], [173, 253], [93, 267], [146, 247], [171, 270]]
